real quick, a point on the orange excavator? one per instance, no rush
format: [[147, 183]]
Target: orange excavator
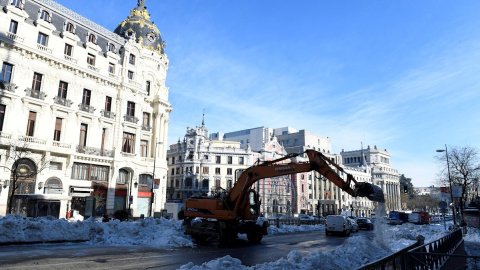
[[225, 215]]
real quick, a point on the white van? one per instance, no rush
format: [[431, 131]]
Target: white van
[[415, 218], [338, 224]]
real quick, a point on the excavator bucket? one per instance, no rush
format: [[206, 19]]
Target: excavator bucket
[[372, 192]]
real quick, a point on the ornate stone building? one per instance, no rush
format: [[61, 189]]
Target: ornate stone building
[[91, 101]]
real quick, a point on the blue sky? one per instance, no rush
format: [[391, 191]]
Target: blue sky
[[402, 75]]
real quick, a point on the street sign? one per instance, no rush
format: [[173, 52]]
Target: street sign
[[457, 191], [131, 199]]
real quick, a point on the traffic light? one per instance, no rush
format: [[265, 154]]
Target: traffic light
[[405, 189], [351, 207]]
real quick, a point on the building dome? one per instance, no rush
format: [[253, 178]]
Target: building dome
[[139, 26]]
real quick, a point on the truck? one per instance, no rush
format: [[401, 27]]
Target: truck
[[224, 215], [424, 217], [397, 217]]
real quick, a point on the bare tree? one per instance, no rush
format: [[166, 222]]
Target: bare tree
[[464, 170], [22, 163]]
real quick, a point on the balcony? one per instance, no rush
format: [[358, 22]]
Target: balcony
[[70, 59], [30, 139], [61, 145], [10, 87], [44, 48], [35, 94], [86, 108], [94, 151], [5, 135], [62, 101], [93, 68], [15, 37], [107, 114], [130, 118], [146, 127]]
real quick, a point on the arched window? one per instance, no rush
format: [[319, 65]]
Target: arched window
[[70, 28], [143, 179], [123, 176], [92, 38], [111, 47], [45, 16]]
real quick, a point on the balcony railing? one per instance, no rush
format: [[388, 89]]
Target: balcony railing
[[107, 114], [5, 135], [35, 94], [14, 37], [8, 86], [94, 151], [62, 101], [44, 48], [146, 127], [86, 108], [130, 118], [71, 59], [30, 139], [61, 145], [134, 83], [93, 68]]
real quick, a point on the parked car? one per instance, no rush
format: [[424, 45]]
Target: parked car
[[354, 225], [338, 224], [364, 223], [305, 219]]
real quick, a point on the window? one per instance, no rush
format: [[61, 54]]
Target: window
[[146, 119], [62, 89], [173, 160], [86, 97], [17, 3], [229, 171], [229, 184], [218, 159], [230, 160], [111, 47], [108, 104], [2, 115], [83, 135], [37, 82], [68, 49], [58, 129], [6, 74], [128, 145], [92, 38], [217, 170], [143, 148], [130, 108], [111, 68], [70, 28], [123, 177], [143, 179], [205, 170], [131, 59], [45, 16], [173, 172], [104, 133], [82, 171], [91, 59], [205, 184], [241, 160], [13, 27], [130, 75], [32, 117], [42, 39], [148, 87]]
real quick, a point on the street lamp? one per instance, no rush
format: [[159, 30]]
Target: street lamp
[[153, 177], [450, 183]]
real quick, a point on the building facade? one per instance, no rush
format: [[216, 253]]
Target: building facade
[[90, 105], [383, 175]]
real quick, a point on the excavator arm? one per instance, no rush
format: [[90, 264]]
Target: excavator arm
[[317, 162]]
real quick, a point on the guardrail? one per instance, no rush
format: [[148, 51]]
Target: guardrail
[[294, 221]]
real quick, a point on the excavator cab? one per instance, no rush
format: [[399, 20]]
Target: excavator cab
[[254, 201]]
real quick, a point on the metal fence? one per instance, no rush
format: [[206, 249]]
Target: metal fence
[[447, 252]]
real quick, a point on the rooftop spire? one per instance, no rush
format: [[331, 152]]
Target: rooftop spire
[[363, 162], [203, 119]]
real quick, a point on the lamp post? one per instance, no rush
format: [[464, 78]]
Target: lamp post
[[153, 177], [450, 183]]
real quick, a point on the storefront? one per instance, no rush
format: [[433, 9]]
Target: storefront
[[40, 205]]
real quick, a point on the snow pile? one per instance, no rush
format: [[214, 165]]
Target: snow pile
[[151, 232], [352, 254]]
